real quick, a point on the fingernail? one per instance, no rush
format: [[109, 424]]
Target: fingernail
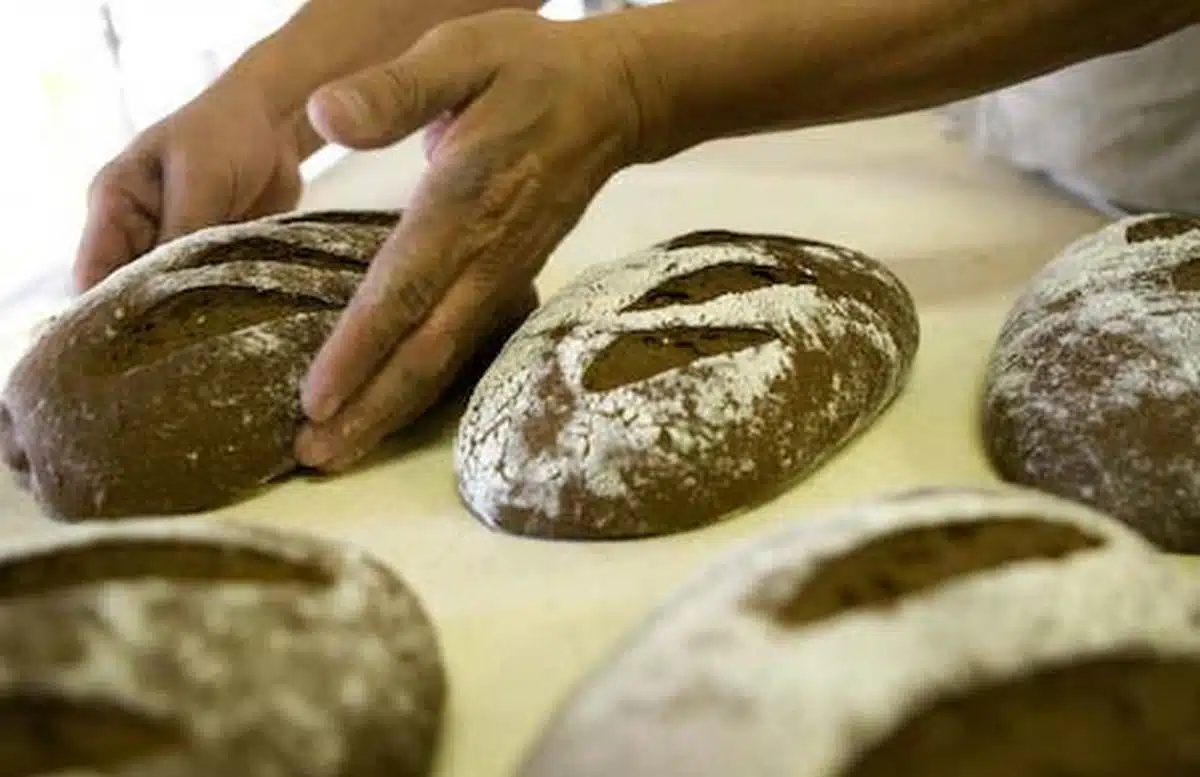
[[352, 107], [311, 451]]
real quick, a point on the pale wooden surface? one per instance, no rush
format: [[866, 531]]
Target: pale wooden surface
[[522, 620]]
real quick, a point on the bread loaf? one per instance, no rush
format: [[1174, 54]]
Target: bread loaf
[[660, 392], [168, 648], [802, 651], [174, 386], [1093, 391]]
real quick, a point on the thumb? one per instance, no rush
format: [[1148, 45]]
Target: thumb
[[386, 103]]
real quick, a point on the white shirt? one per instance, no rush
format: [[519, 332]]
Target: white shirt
[[1122, 132]]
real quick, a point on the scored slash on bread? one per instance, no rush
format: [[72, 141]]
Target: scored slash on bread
[[1093, 388], [810, 651], [664, 390], [174, 385], [173, 648]]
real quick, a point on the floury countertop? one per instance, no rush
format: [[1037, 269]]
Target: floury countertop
[[522, 620]]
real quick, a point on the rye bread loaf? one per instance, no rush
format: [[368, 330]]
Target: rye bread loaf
[[662, 391], [806, 648], [170, 648], [174, 386], [1093, 391]]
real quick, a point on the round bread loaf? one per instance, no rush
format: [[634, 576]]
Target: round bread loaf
[[802, 651], [173, 386], [660, 392], [167, 648], [1093, 391]]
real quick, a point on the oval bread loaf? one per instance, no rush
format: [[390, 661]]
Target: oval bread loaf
[[660, 392], [167, 648], [797, 653], [173, 386], [1093, 391]]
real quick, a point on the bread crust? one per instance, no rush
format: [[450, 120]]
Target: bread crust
[[173, 386], [716, 682], [665, 390], [211, 649], [1093, 387]]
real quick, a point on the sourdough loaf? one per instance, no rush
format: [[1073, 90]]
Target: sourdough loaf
[[662, 391], [1093, 391], [173, 386], [169, 648], [802, 650]]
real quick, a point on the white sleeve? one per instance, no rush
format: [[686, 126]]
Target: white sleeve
[[1121, 132]]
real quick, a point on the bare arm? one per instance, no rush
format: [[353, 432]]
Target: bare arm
[[328, 39], [706, 69]]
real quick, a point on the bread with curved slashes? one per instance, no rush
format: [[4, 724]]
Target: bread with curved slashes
[[174, 385], [1093, 390], [170, 648], [665, 390], [990, 632]]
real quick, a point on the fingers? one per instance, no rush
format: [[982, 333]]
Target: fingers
[[122, 219], [382, 105], [193, 196], [415, 376], [438, 236]]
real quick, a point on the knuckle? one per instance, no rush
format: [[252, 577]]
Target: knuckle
[[455, 37], [413, 298], [398, 90]]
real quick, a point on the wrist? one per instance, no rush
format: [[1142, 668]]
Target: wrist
[[265, 75], [637, 77]]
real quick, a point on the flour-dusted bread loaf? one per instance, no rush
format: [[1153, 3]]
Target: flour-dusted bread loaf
[[662, 391], [1093, 391], [174, 386], [170, 648], [804, 649]]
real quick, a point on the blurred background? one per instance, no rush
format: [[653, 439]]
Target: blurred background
[[82, 77]]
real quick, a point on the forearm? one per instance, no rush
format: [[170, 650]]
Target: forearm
[[706, 69], [328, 39]]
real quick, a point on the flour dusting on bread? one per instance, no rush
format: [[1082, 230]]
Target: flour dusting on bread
[[267, 652], [715, 683], [1096, 363], [537, 439], [176, 351]]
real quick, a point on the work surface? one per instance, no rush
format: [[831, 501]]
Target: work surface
[[522, 620]]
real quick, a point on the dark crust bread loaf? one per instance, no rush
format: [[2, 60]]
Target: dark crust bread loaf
[[660, 392], [1093, 391], [173, 386], [171, 648], [806, 648]]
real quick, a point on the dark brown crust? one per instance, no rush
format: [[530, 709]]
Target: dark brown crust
[[711, 282], [1124, 715], [373, 218], [173, 387], [1089, 395], [44, 734], [893, 566], [204, 650], [817, 403], [1161, 228], [636, 356]]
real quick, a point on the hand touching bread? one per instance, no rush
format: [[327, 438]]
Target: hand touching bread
[[530, 118]]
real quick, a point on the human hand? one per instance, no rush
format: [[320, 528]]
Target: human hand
[[528, 119], [218, 159]]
